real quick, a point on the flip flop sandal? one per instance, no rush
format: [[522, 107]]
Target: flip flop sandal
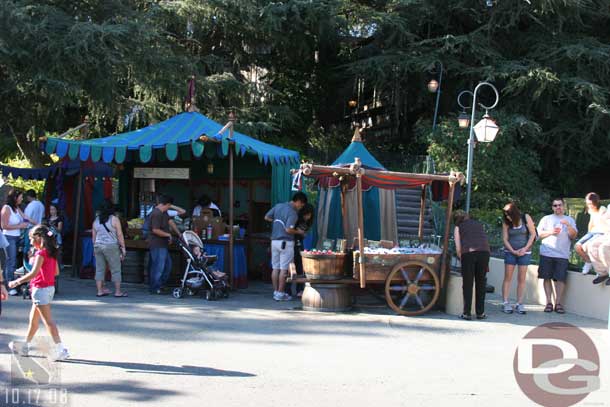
[[559, 309], [548, 308], [120, 296], [102, 295]]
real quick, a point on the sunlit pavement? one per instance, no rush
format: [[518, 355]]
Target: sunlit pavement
[[251, 351]]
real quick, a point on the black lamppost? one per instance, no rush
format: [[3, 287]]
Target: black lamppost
[[434, 86]]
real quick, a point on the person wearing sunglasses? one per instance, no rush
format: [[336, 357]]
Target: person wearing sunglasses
[[556, 232]]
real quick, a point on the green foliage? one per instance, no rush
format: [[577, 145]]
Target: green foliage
[[502, 170], [288, 68], [20, 183]]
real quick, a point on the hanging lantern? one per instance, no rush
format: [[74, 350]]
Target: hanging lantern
[[486, 130], [463, 120], [433, 86]]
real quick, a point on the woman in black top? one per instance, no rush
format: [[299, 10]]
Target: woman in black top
[[472, 249]]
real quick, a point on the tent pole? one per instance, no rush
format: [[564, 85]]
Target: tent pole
[[231, 202], [445, 265], [422, 209], [344, 212], [360, 231], [79, 191]]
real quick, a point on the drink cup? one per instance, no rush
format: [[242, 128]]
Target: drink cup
[[557, 227]]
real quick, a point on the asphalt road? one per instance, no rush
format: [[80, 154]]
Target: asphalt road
[[251, 351]]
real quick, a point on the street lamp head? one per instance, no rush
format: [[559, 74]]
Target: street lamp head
[[463, 120], [486, 130], [433, 86]]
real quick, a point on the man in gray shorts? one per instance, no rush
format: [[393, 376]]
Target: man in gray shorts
[[556, 231], [284, 218]]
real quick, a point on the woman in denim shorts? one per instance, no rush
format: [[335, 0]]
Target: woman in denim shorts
[[42, 281], [518, 234]]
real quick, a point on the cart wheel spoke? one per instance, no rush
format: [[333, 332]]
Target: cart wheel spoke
[[421, 304], [412, 278], [405, 275], [404, 300], [419, 275]]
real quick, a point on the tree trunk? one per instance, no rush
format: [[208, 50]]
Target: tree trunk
[[29, 148]]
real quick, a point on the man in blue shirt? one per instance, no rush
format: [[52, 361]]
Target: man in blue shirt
[[284, 218]]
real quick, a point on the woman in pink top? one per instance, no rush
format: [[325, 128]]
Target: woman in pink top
[[42, 281]]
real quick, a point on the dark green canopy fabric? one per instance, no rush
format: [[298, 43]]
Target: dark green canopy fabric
[[166, 137]]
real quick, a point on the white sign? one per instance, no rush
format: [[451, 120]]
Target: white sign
[[161, 173]]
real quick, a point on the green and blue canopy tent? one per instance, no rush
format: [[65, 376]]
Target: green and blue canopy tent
[[337, 198], [185, 137]]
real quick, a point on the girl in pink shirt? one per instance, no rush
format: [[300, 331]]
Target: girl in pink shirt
[[42, 282]]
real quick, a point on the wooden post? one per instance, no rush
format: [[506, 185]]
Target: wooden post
[[422, 209], [343, 210], [231, 201], [361, 231], [79, 191], [444, 264]]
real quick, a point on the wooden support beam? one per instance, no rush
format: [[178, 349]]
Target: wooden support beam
[[445, 263], [422, 209]]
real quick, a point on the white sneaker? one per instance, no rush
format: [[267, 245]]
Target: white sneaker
[[13, 292], [61, 355], [277, 296], [24, 350], [586, 268], [520, 309], [285, 297], [507, 308]]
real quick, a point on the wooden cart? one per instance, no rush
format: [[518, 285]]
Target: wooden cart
[[412, 281]]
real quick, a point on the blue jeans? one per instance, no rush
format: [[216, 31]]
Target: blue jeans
[[11, 258], [159, 267]]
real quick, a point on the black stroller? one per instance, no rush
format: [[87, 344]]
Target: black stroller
[[199, 275]]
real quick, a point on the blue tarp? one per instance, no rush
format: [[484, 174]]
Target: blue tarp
[[182, 130]]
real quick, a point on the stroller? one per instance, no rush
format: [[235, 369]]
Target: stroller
[[199, 276]]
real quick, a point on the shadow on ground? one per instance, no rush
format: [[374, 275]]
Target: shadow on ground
[[184, 370]]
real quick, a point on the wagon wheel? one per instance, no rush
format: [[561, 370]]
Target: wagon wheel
[[412, 288]]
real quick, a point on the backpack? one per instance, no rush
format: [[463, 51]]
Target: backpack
[[524, 221], [146, 226]]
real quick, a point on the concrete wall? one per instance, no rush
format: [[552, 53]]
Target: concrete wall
[[581, 296]]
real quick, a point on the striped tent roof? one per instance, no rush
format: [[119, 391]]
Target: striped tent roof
[[182, 130]]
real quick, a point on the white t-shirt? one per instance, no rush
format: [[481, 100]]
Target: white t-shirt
[[557, 246], [34, 212]]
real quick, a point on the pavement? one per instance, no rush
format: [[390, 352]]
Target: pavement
[[249, 350]]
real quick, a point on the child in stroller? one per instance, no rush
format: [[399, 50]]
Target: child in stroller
[[198, 274]]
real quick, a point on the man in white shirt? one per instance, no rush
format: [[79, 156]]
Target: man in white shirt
[[557, 232], [34, 211]]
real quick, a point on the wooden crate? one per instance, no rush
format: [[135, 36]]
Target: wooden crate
[[379, 266]]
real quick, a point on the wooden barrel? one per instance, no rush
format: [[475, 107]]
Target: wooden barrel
[[133, 266], [323, 266], [327, 297]]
